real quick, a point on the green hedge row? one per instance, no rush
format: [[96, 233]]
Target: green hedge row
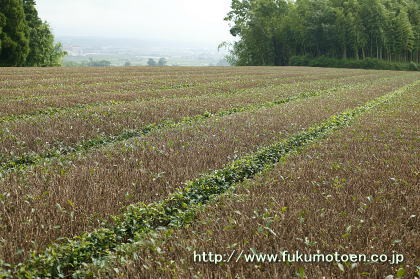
[[368, 63], [61, 260]]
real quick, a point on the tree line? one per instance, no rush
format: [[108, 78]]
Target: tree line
[[26, 40], [162, 62], [270, 32]]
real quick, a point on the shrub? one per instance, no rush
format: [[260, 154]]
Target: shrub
[[299, 61], [368, 63], [413, 66]]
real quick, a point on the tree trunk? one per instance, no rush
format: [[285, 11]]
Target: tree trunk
[[278, 55], [345, 53]]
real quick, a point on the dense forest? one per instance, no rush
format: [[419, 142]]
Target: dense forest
[[26, 40], [271, 32]]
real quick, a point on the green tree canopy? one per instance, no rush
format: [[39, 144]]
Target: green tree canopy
[[13, 36], [2, 24], [151, 62], [25, 40], [272, 31], [162, 61]]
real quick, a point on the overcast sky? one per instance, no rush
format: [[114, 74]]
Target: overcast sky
[[186, 20]]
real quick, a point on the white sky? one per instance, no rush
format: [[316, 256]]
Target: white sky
[[184, 20]]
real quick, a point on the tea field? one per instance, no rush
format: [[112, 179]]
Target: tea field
[[129, 172]]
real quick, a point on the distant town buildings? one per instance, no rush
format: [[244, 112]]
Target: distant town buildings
[[74, 50]]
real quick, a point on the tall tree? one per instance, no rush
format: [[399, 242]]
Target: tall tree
[[404, 35], [151, 62], [162, 61], [25, 40], [13, 36], [2, 24], [259, 24], [43, 51]]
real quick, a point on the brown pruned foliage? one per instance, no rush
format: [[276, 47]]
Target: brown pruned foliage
[[69, 197], [355, 192]]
